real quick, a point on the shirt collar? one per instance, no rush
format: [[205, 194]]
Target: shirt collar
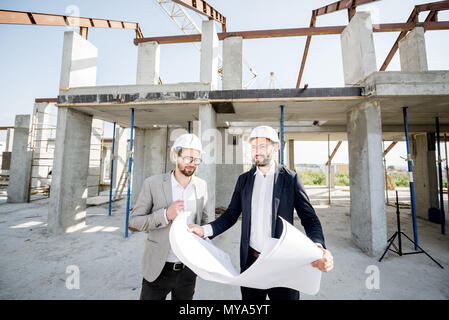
[[270, 172], [175, 183]]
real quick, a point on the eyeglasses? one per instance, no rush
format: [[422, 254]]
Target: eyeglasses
[[188, 160]]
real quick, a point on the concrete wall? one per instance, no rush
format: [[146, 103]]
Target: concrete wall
[[367, 202], [357, 46], [19, 173]]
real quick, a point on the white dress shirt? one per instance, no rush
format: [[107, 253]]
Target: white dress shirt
[[261, 209], [188, 195]]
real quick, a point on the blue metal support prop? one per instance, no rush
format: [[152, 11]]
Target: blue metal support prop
[[410, 172], [130, 162], [282, 136], [111, 180], [440, 177]]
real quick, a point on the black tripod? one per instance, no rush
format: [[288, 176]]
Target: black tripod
[[398, 234]]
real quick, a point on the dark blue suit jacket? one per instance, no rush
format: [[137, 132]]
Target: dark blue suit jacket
[[288, 193]]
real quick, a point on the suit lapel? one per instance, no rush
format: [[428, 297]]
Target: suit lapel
[[166, 186], [277, 190], [248, 195]]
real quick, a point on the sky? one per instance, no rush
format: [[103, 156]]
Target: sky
[[31, 55]]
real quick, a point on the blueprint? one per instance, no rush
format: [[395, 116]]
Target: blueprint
[[283, 262]]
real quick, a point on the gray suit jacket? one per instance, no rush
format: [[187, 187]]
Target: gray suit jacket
[[148, 215]]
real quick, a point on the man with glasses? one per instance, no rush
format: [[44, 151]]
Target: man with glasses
[[160, 201]]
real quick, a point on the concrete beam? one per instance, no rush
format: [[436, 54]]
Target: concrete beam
[[19, 173], [407, 83], [412, 51], [366, 176], [209, 54], [148, 63], [67, 209], [357, 46], [232, 63]]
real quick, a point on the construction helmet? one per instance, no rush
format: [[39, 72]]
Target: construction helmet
[[264, 132], [187, 141]]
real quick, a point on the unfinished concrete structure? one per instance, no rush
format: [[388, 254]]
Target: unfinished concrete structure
[[366, 111]]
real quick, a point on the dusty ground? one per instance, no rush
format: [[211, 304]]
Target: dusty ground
[[33, 263]]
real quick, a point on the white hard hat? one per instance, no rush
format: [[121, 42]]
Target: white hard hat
[[187, 141], [264, 132]]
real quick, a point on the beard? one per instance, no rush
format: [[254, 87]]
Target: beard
[[262, 161], [186, 172]]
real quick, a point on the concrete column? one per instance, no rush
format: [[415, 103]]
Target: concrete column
[[209, 54], [424, 173], [148, 63], [19, 173], [120, 156], [366, 176], [6, 155], [41, 112], [138, 164], [357, 46], [68, 195], [207, 132], [149, 156], [42, 154], [9, 139], [79, 62], [291, 154], [232, 63], [230, 168], [412, 51], [93, 178]]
